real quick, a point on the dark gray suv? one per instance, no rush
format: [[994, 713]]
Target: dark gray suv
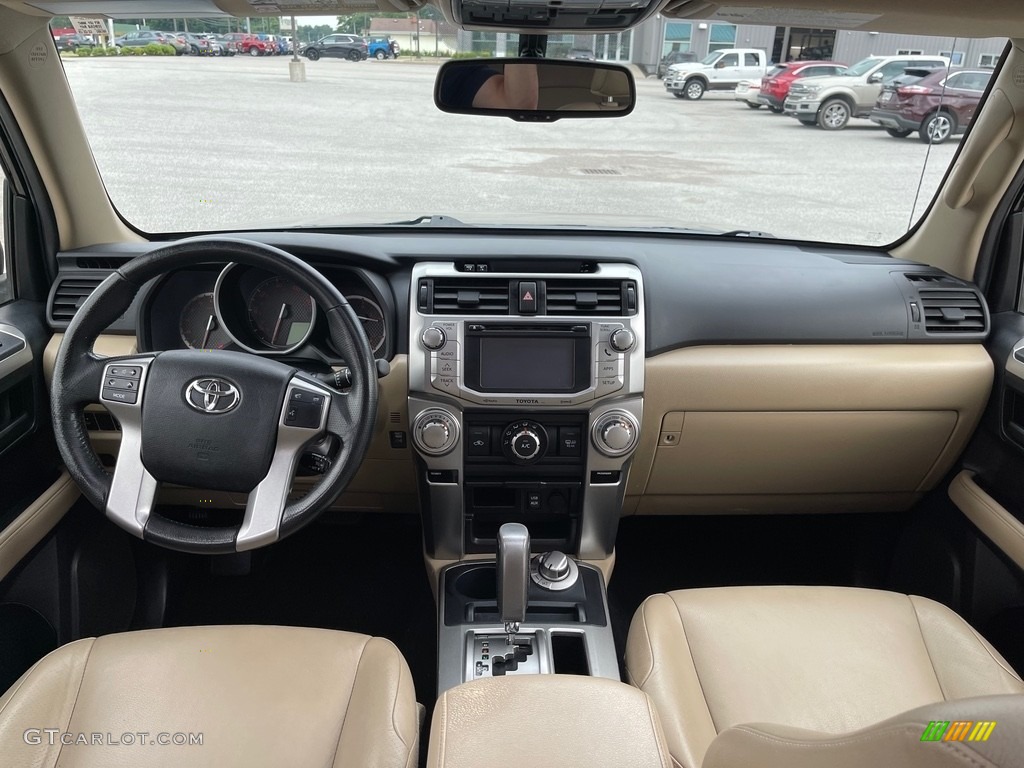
[[338, 46]]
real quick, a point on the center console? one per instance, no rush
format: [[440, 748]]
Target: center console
[[525, 401]]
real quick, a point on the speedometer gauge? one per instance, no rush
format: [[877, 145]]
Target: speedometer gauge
[[280, 314], [199, 326], [372, 319]]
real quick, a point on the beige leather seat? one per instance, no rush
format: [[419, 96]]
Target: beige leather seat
[[824, 659], [258, 696]]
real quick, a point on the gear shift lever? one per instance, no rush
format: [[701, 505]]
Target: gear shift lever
[[513, 576]]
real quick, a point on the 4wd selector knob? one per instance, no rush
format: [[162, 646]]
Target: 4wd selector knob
[[615, 433], [435, 432], [433, 337], [524, 442]]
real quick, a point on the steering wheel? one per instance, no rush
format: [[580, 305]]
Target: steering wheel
[[221, 420]]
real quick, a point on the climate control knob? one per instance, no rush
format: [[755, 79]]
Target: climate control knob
[[524, 442], [616, 433], [435, 432], [622, 340], [433, 337]]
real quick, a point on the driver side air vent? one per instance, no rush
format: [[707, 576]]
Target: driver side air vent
[[956, 311], [69, 294], [468, 296]]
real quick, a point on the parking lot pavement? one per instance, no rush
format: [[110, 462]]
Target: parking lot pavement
[[194, 143]]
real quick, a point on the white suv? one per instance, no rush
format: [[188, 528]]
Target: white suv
[[831, 101]]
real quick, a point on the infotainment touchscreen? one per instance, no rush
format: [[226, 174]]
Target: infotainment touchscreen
[[527, 364], [549, 359]]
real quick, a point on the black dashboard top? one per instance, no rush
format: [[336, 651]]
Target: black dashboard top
[[698, 290]]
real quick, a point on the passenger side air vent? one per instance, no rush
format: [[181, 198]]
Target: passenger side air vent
[[591, 297], [952, 311], [69, 294], [469, 296]]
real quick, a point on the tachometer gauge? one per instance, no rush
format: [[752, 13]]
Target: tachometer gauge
[[281, 314], [199, 326], [372, 318]]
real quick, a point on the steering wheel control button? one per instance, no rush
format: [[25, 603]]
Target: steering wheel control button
[[131, 397], [527, 297], [304, 410], [554, 571], [125, 372], [121, 383], [433, 338], [435, 432]]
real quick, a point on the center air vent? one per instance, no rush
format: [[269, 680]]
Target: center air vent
[[956, 311], [469, 296], [591, 297], [69, 294]]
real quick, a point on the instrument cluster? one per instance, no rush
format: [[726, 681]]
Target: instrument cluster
[[254, 310]]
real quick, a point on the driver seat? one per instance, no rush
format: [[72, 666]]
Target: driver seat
[[257, 695]]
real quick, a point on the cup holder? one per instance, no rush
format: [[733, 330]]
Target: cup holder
[[480, 583]]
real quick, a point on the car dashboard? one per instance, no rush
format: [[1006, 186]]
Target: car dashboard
[[565, 379]]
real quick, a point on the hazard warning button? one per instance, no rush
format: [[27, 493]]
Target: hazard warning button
[[527, 298]]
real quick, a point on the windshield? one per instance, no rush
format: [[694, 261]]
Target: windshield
[[861, 67], [711, 58], [223, 139]]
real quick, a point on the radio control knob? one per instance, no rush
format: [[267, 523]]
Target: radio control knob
[[435, 432], [616, 433], [433, 337], [622, 340]]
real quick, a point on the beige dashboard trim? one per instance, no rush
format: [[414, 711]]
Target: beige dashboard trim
[[736, 392], [32, 525], [991, 517]]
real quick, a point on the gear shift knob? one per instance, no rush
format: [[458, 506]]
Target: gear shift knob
[[513, 576]]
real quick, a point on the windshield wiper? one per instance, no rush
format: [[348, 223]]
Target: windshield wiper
[[746, 233], [435, 220]]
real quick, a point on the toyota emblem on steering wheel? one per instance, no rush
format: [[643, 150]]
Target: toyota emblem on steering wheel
[[212, 395]]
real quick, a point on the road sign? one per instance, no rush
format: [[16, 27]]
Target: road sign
[[89, 26]]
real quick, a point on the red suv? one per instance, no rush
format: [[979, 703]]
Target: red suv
[[243, 42], [775, 84], [936, 103]]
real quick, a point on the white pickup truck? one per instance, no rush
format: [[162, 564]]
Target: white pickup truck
[[718, 71]]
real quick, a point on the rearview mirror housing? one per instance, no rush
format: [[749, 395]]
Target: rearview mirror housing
[[534, 90]]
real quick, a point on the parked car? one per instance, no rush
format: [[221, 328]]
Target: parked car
[[747, 92], [776, 83], [245, 43], [143, 37], [674, 57], [197, 45], [338, 46], [72, 42], [581, 54], [219, 46], [718, 71], [935, 103], [830, 102], [178, 42], [380, 48]]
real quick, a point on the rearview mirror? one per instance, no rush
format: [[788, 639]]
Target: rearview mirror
[[534, 90]]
